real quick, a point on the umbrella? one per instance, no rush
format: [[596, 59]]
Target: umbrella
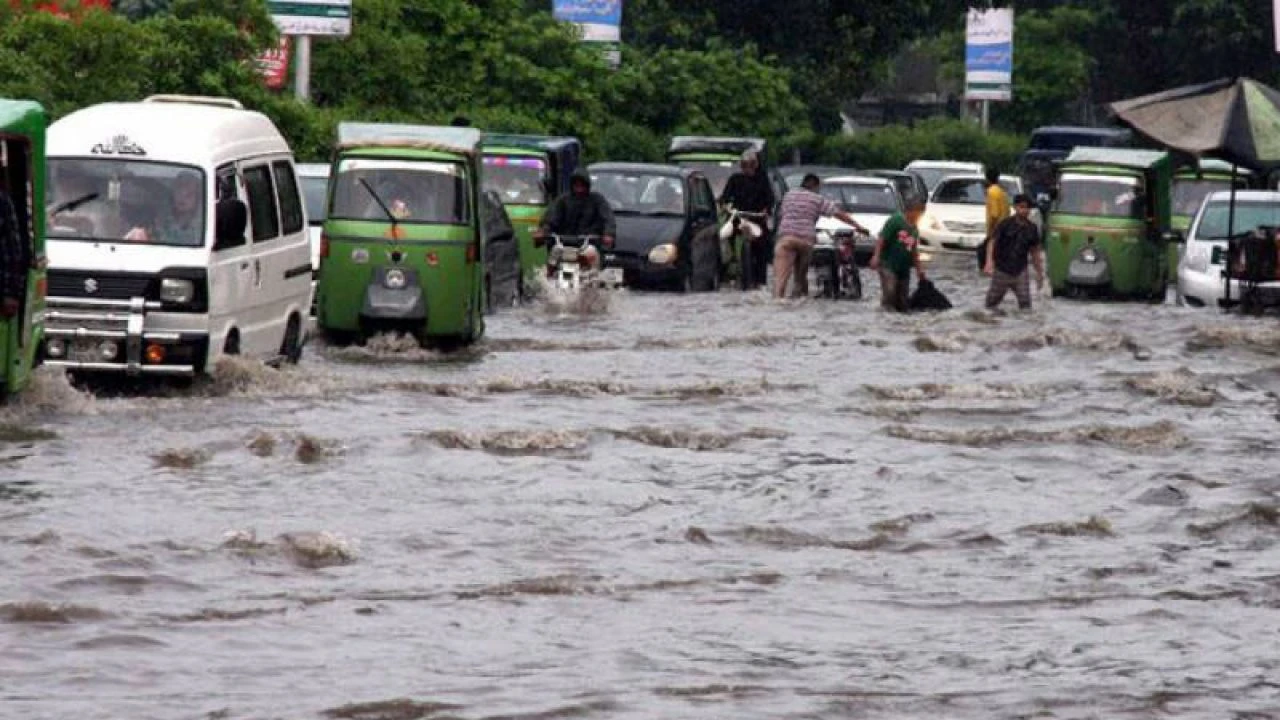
[[1235, 119]]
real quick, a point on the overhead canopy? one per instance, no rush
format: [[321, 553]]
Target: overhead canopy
[[532, 142], [1236, 120], [21, 117]]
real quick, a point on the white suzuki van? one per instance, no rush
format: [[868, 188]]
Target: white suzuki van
[[176, 235]]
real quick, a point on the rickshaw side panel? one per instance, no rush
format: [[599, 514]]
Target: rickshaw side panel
[[22, 130]]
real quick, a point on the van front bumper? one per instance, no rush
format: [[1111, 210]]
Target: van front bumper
[[126, 337]]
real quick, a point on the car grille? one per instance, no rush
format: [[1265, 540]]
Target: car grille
[[104, 285], [965, 227]]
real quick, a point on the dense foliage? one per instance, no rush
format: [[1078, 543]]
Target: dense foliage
[[780, 68]]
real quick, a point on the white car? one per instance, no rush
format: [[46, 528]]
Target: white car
[[314, 179], [1200, 280], [870, 200], [177, 235], [935, 171], [956, 217]]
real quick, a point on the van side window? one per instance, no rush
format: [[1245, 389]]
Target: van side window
[[290, 200], [262, 203]]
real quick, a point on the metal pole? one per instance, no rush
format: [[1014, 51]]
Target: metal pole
[[986, 115], [1231, 231], [302, 69]]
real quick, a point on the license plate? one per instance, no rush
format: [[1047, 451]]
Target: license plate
[[612, 276], [83, 351]]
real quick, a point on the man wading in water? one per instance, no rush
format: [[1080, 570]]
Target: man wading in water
[[798, 229], [897, 252], [1015, 240]]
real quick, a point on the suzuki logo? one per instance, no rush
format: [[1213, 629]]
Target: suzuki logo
[[91, 286]]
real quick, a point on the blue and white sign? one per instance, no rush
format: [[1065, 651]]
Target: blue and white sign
[[988, 55], [600, 21]]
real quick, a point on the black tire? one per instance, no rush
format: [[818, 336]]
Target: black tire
[[704, 275], [291, 348], [855, 282], [831, 288], [231, 346], [340, 338], [746, 266]]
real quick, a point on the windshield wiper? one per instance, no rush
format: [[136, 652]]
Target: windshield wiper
[[390, 215], [73, 204]]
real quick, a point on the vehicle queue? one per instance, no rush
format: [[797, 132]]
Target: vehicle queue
[[156, 237]]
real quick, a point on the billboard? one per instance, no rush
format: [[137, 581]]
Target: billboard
[[273, 64], [330, 18], [988, 55], [600, 21], [62, 8]]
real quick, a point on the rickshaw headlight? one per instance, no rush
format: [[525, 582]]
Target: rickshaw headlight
[[176, 291], [1089, 255], [663, 254], [395, 279]]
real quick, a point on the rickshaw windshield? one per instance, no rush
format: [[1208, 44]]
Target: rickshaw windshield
[[1249, 216], [1189, 194], [862, 197], [315, 192], [414, 191], [517, 180], [717, 172], [641, 193], [126, 201], [1097, 196]]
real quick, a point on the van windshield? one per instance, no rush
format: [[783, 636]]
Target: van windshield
[[1099, 197], [415, 191], [517, 180], [127, 201]]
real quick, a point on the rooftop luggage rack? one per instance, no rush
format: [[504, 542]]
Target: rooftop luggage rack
[[221, 102]]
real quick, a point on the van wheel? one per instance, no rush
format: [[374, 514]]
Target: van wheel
[[232, 344], [291, 348]]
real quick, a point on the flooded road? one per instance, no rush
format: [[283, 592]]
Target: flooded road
[[679, 507]]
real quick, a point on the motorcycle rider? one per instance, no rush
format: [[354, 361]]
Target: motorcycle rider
[[578, 212], [749, 190]]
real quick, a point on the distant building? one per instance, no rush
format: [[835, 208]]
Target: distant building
[[914, 91]]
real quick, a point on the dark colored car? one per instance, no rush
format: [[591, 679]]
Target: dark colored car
[[659, 210], [1038, 165], [910, 185], [503, 280]]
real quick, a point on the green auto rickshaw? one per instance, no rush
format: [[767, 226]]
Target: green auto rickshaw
[[403, 248], [22, 179], [1109, 232], [1191, 185], [528, 172]]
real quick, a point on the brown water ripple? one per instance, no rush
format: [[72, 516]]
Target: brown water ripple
[[1162, 435]]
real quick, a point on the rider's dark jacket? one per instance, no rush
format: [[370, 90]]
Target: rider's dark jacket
[[749, 193], [573, 214]]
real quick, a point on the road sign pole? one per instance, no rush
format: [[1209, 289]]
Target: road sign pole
[[302, 69], [986, 115]]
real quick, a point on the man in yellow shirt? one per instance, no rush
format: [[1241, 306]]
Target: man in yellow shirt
[[997, 211]]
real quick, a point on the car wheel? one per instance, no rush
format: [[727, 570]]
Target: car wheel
[[704, 275], [291, 348]]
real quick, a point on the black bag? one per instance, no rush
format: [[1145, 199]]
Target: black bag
[[928, 297]]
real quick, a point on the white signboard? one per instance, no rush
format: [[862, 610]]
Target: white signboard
[[312, 17], [988, 55]]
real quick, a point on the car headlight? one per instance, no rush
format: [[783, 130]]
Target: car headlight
[[176, 291], [395, 279], [663, 254], [1089, 255]]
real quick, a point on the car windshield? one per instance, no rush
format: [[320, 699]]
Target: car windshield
[[718, 172], [1099, 197], [863, 197], [639, 192], [517, 180], [1066, 141], [414, 191], [315, 192], [932, 175], [961, 192], [1188, 194], [127, 201], [1249, 216], [1011, 187]]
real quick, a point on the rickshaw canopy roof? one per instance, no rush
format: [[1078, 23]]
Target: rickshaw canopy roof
[[546, 143], [461, 140], [22, 117], [1141, 160], [700, 144]]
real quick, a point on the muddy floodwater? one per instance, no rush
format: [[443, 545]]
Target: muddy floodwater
[[660, 506]]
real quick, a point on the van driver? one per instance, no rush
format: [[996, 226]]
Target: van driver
[[180, 222]]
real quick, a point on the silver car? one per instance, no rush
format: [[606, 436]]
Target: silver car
[[1200, 272]]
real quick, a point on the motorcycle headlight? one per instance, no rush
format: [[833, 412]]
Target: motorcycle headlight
[[663, 254], [395, 279], [176, 291], [1089, 255]]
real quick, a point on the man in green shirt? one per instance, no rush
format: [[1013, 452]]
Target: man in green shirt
[[897, 253]]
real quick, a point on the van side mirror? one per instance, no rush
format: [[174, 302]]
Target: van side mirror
[[230, 223]]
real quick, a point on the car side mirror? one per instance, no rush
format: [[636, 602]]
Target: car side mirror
[[230, 223], [1174, 237]]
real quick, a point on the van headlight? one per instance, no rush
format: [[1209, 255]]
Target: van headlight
[[663, 254], [177, 291]]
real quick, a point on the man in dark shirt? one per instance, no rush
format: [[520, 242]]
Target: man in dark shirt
[[579, 212], [1014, 244], [750, 191], [13, 260]]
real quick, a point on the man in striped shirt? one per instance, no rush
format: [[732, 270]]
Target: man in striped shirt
[[798, 232]]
